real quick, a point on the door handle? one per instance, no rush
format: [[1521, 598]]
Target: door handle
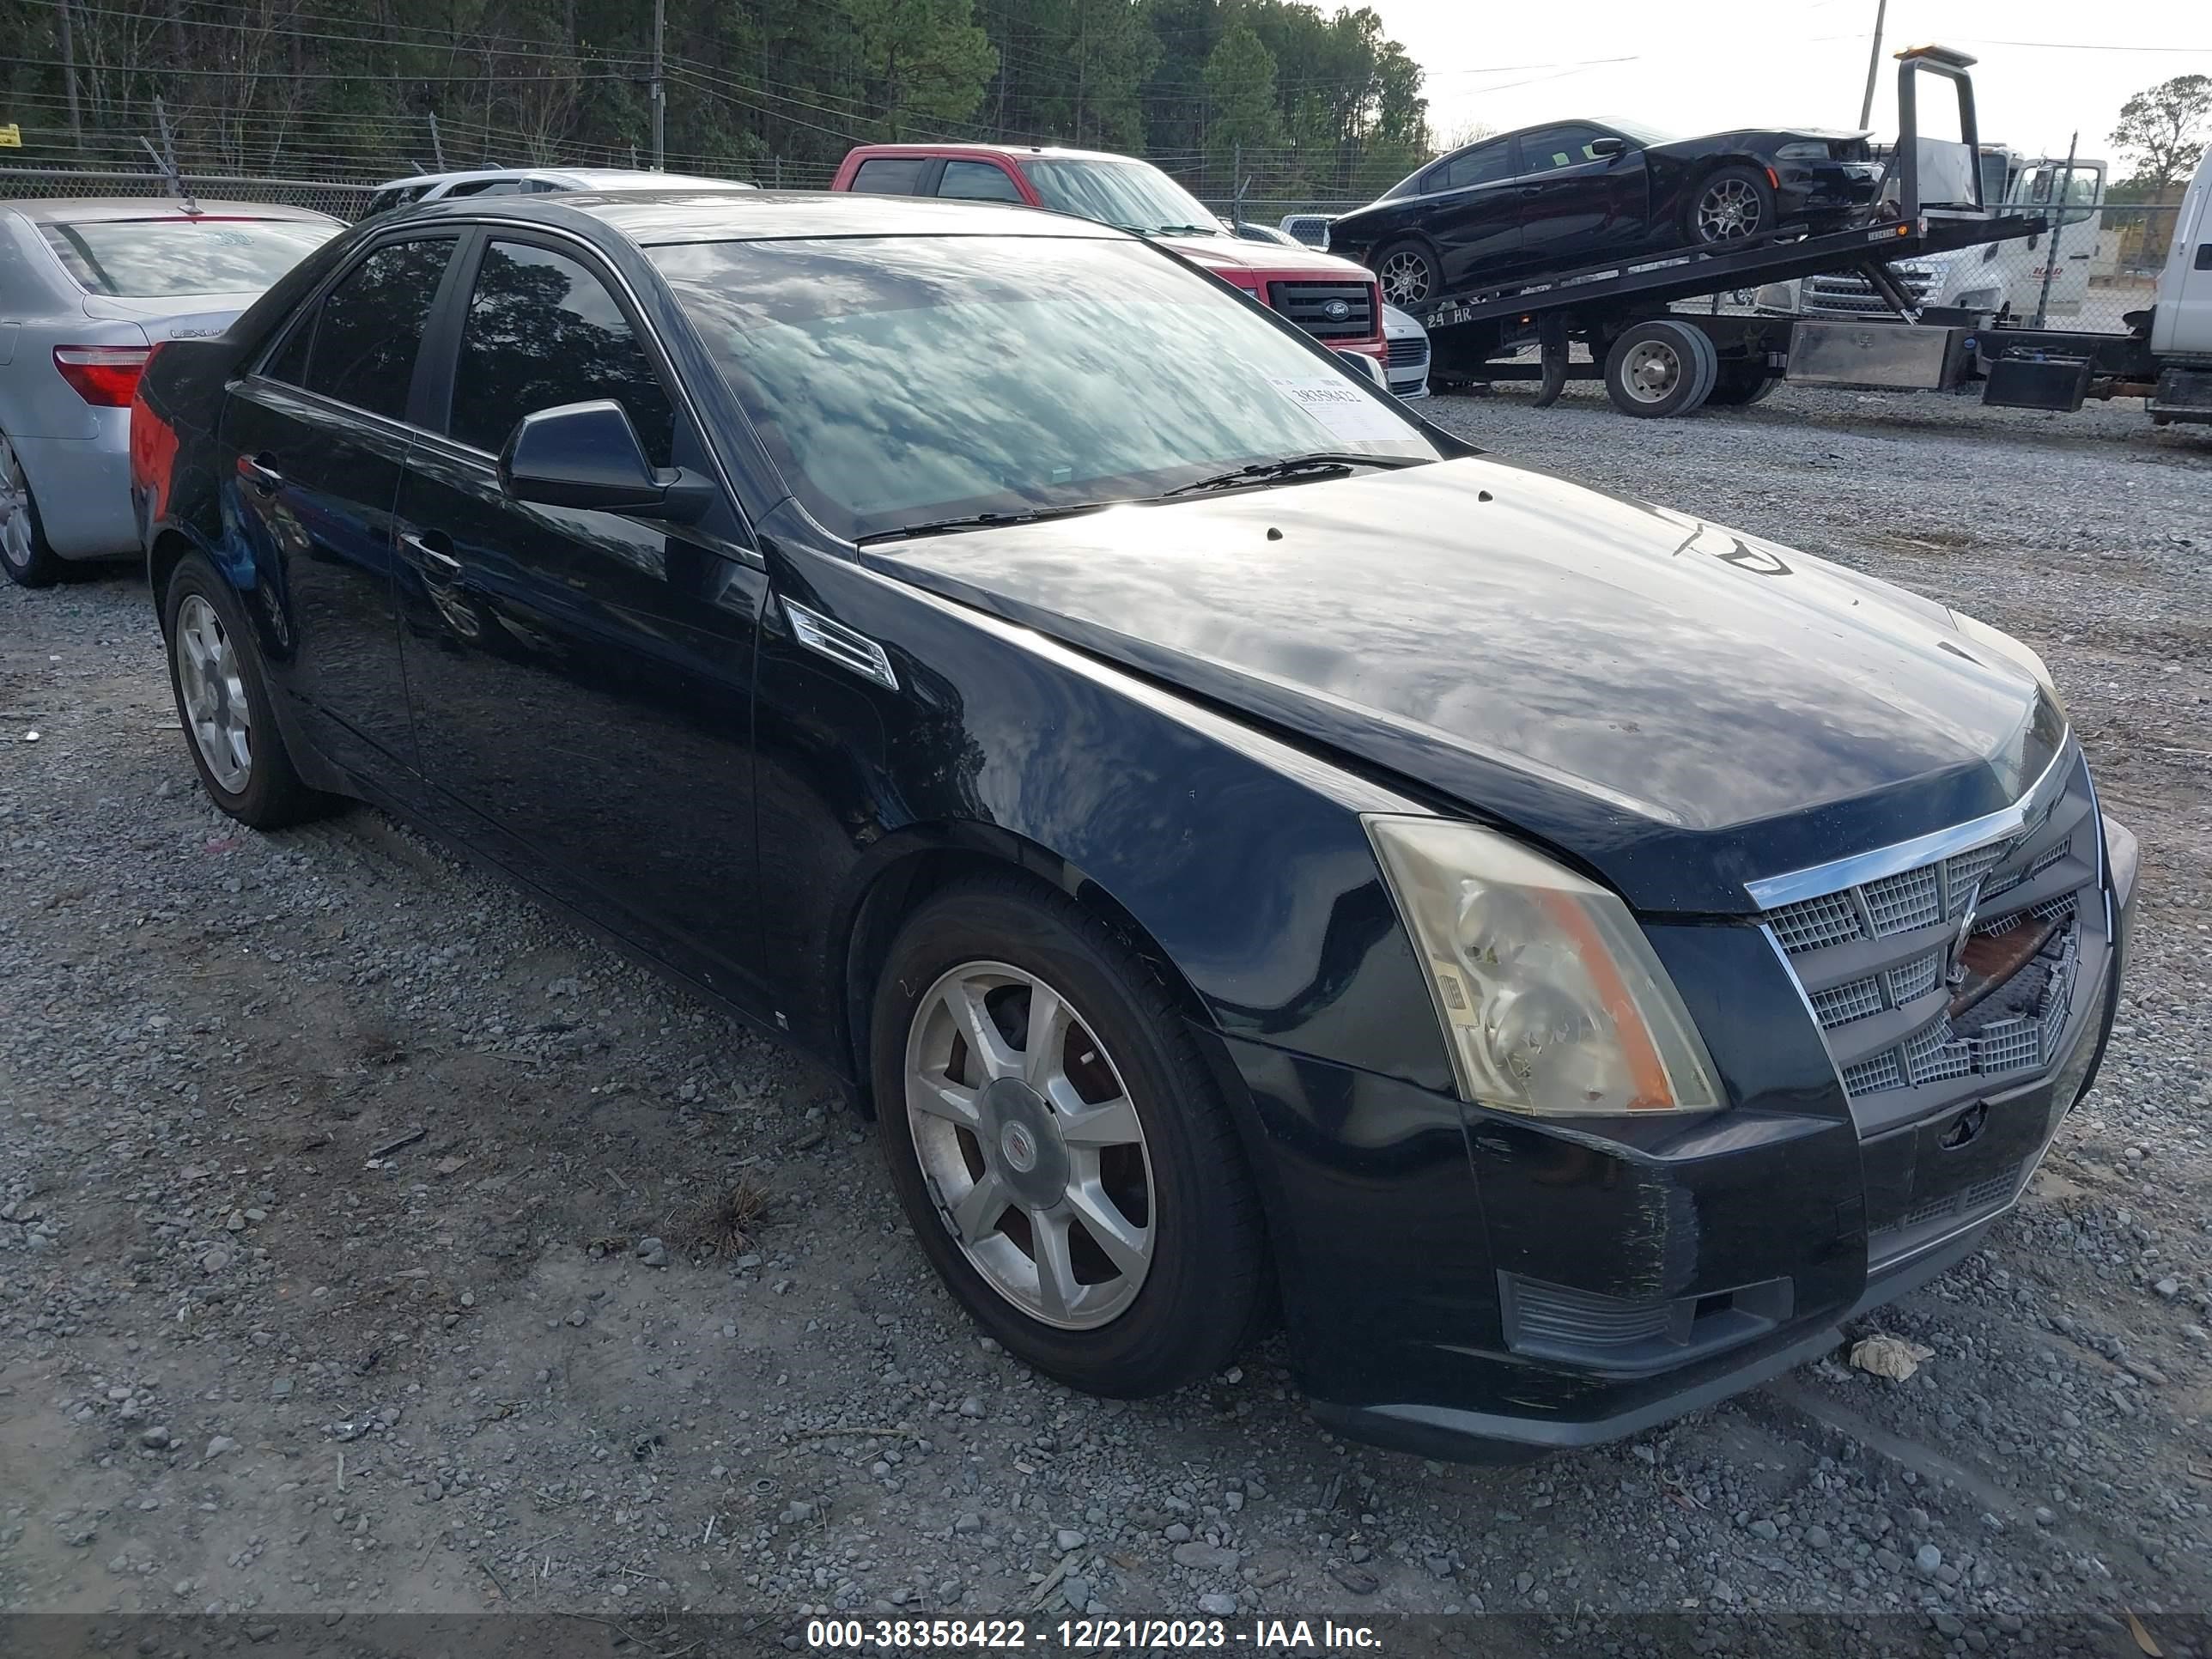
[[429, 558], [1532, 190], [260, 471]]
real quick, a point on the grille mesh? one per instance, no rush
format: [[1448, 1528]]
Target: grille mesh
[[1916, 978], [1895, 903], [2011, 1028], [1829, 919], [1845, 1003]]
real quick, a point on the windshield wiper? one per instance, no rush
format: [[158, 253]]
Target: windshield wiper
[[1291, 468], [984, 521], [1184, 230]]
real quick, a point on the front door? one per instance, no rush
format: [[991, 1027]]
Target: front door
[[316, 439], [1576, 208], [581, 681], [1469, 210]]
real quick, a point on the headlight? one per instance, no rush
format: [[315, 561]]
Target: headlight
[[2002, 644], [1553, 1002]]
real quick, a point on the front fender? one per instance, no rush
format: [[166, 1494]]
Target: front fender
[[1240, 858]]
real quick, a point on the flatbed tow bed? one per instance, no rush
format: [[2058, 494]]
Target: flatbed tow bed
[[1657, 361]]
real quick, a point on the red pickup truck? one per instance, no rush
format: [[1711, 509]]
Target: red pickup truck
[[1334, 299]]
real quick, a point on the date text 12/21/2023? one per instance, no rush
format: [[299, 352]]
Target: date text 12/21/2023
[[1087, 1635]]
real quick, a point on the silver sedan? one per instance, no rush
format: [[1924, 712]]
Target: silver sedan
[[88, 289]]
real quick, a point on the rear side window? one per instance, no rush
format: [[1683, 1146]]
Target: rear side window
[[977, 182], [155, 258], [370, 329], [1482, 165], [543, 330], [890, 175]]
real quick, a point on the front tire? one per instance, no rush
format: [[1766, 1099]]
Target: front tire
[[1411, 278], [24, 552], [223, 704], [1728, 206], [1065, 1160]]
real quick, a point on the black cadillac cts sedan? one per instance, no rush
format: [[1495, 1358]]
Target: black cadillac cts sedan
[[1246, 848]]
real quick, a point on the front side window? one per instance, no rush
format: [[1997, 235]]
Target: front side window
[[890, 175], [1548, 148], [898, 380], [365, 339], [1133, 195], [175, 255], [977, 182], [543, 330], [1484, 165]]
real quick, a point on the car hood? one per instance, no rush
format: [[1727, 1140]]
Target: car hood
[[1232, 253], [1679, 707], [1755, 138]]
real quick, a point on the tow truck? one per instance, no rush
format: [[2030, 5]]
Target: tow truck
[[1657, 361]]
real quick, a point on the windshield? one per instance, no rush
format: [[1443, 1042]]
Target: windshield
[[2040, 186], [901, 380], [1134, 195], [157, 258]]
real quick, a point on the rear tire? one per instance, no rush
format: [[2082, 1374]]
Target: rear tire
[[1409, 275], [25, 555], [1661, 367], [1728, 205], [1121, 1251], [1741, 384], [224, 706]]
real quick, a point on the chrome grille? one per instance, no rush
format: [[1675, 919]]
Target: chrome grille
[[1406, 354], [1836, 942], [1314, 307], [1848, 294]]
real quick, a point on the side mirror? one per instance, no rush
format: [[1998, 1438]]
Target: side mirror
[[587, 455], [1606, 148]]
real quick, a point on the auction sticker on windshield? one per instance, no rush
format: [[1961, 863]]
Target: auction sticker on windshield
[[1343, 407]]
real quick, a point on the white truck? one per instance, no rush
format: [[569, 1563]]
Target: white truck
[[2164, 358], [2007, 279]]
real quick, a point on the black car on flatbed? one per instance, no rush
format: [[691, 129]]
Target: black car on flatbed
[[1246, 847], [1572, 192]]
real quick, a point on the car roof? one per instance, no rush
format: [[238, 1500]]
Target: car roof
[[582, 178], [80, 209], [653, 218], [1048, 152]]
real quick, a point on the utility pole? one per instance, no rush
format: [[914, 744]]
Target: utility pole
[[659, 87], [68, 72], [2057, 230], [437, 144], [1873, 62]]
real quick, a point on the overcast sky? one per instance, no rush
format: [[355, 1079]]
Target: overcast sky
[[1706, 65]]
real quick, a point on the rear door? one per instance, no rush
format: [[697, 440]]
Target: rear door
[[1575, 207], [581, 680], [892, 175], [1469, 210], [316, 436], [978, 182]]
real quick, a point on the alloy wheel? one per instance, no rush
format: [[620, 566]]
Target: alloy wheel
[[1652, 371], [1405, 279], [1031, 1148], [1728, 208], [16, 529], [214, 694]]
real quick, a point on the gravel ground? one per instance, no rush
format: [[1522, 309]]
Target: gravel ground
[[370, 1239]]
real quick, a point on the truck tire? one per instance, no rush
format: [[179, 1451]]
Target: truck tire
[[1742, 384], [1661, 367], [1409, 275]]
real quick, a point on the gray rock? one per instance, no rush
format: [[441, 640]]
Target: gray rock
[[1764, 1529], [653, 1252], [1068, 1538], [1206, 1558], [968, 1521], [972, 1407], [155, 1438], [1928, 1558], [1177, 1532], [216, 1260], [219, 1445], [1218, 1606], [1076, 1592]]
